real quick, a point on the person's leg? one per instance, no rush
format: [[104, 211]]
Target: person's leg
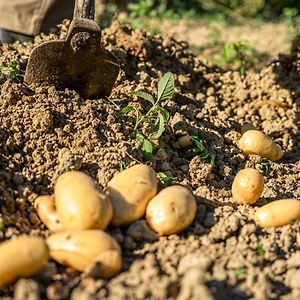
[[30, 17]]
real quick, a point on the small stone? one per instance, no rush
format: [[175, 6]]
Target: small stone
[[26, 289]]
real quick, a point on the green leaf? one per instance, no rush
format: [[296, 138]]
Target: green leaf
[[166, 179], [260, 250], [147, 149], [126, 110], [144, 95], [145, 146], [160, 126], [166, 86], [239, 272], [140, 138], [122, 165], [165, 113], [13, 65], [1, 226]]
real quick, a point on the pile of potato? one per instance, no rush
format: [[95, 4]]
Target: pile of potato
[[248, 184], [78, 213]]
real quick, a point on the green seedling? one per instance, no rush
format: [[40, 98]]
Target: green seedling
[[1, 226], [10, 70], [260, 250], [201, 149], [235, 55], [266, 166], [239, 272], [166, 179], [297, 222], [155, 118], [122, 165]]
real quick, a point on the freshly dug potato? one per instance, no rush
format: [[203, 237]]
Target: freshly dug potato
[[85, 249], [172, 210], [21, 257], [185, 141], [80, 203], [256, 142], [278, 213], [46, 210], [130, 191], [247, 186]]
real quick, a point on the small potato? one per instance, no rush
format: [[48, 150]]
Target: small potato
[[185, 141], [256, 142], [130, 191], [85, 249], [172, 210], [80, 203], [46, 210], [21, 257], [247, 186], [278, 213]]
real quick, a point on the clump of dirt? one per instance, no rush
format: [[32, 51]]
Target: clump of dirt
[[223, 255]]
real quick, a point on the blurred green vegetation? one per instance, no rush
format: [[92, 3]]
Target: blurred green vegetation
[[232, 9]]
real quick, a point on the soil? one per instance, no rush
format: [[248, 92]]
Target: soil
[[223, 255]]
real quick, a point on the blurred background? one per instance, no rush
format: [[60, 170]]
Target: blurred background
[[222, 32]]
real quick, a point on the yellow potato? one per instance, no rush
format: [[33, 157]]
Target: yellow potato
[[185, 141], [278, 213], [80, 203], [256, 142], [247, 186], [46, 210], [21, 257], [172, 210], [84, 249], [130, 191]]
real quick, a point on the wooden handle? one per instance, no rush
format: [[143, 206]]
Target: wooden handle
[[84, 9]]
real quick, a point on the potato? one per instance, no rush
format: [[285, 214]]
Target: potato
[[172, 210], [21, 257], [185, 141], [247, 186], [278, 213], [80, 203], [130, 191], [46, 210], [256, 142], [85, 249]]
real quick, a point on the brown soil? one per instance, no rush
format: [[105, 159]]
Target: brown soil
[[223, 255]]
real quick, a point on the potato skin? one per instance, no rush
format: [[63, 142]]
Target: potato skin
[[46, 210], [247, 186], [172, 210], [256, 142], [130, 191], [80, 203], [82, 249], [278, 213], [21, 257]]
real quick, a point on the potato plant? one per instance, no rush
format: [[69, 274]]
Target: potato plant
[[156, 117]]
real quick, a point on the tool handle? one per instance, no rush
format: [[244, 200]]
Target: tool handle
[[84, 9]]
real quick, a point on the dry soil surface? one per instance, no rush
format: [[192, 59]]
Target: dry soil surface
[[223, 255]]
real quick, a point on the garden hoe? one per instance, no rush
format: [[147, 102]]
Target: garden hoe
[[80, 62]]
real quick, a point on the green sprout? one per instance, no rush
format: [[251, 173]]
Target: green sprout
[[201, 149], [122, 165], [266, 166], [239, 272], [156, 117], [167, 180], [235, 54], [11, 70], [260, 250], [1, 226]]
